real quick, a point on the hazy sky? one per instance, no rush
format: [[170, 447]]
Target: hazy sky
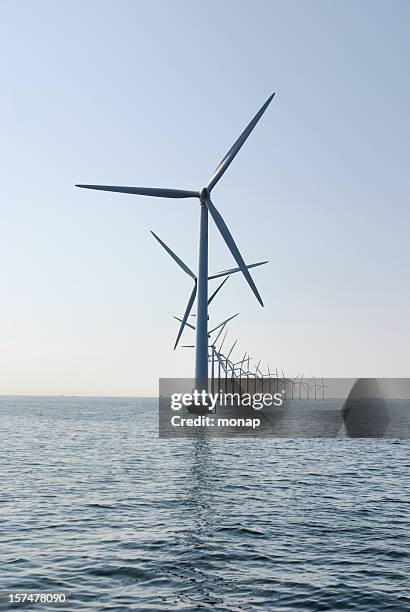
[[154, 93]]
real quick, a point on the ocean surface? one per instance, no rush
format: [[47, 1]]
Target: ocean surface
[[94, 505]]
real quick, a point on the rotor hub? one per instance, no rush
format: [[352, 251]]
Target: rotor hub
[[204, 194]]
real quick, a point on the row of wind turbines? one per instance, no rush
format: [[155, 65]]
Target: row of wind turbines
[[240, 376], [208, 353]]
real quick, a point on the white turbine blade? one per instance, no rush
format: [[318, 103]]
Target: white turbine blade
[[216, 290], [175, 257], [146, 191], [187, 324], [223, 323], [230, 156], [186, 315], [234, 270], [226, 235]]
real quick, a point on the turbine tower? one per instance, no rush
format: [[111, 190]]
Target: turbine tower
[[206, 206]]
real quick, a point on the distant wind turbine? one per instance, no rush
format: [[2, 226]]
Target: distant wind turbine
[[229, 364], [323, 387], [188, 271]]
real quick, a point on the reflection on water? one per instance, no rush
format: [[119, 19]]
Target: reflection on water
[[95, 505], [199, 519]]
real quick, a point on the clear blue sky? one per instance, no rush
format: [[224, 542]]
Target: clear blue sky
[[154, 93]]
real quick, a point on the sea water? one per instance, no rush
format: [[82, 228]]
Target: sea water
[[94, 505]]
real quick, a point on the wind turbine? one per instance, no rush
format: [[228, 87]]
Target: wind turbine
[[188, 271], [241, 371], [231, 365], [263, 376], [301, 383], [248, 359], [206, 205], [270, 379], [293, 383], [286, 381], [308, 387], [257, 371], [213, 357], [221, 362], [213, 354], [314, 385], [323, 387]]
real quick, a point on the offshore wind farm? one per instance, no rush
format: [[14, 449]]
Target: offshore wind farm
[[207, 354], [167, 443]]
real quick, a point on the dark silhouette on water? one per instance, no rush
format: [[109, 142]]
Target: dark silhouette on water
[[365, 414]]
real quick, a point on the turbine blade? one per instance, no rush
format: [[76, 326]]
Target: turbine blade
[[216, 290], [187, 324], [233, 270], [217, 337], [233, 346], [175, 257], [226, 235], [147, 191], [223, 340], [185, 317], [223, 323], [230, 156]]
